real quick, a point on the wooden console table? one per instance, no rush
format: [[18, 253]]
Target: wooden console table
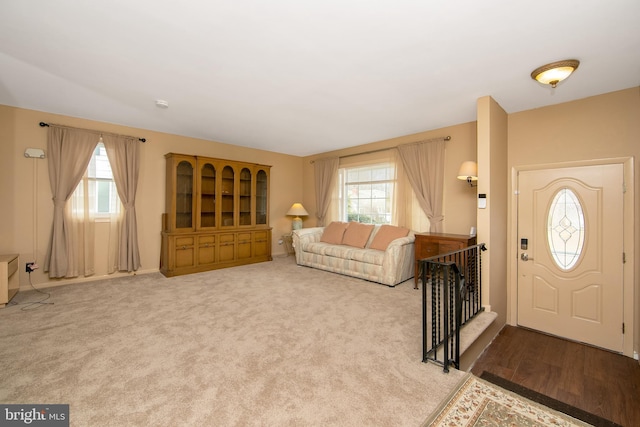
[[428, 245]]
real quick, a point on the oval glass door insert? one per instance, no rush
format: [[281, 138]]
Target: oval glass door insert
[[565, 228]]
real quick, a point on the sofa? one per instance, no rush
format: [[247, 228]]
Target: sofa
[[378, 253]]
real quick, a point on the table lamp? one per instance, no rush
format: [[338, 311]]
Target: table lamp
[[297, 210]]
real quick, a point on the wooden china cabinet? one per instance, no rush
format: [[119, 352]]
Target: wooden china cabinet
[[217, 214]]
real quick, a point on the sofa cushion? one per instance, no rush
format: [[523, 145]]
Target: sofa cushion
[[316, 247], [333, 232], [338, 251], [368, 256], [357, 234], [387, 234]]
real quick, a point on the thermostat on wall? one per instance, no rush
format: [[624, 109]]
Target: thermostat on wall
[[482, 201]]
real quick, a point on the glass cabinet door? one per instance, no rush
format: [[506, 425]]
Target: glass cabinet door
[[184, 195], [207, 195], [245, 197], [227, 205], [261, 197]]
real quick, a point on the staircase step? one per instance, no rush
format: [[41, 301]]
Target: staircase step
[[472, 331]]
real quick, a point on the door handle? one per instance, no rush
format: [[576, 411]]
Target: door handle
[[525, 257]]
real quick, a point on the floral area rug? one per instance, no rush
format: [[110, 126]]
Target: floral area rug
[[479, 403]]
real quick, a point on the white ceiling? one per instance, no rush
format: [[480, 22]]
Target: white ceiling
[[303, 77]]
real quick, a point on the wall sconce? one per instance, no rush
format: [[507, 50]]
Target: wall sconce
[[297, 210], [34, 153], [468, 172], [554, 73]]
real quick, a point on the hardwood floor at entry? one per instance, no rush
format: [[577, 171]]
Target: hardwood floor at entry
[[597, 381]]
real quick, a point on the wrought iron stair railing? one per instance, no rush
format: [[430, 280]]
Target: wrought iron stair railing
[[451, 297]]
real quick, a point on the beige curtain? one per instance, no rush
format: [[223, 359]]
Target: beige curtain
[[115, 226], [82, 220], [69, 153], [124, 157], [400, 193], [83, 211], [424, 166], [326, 171]]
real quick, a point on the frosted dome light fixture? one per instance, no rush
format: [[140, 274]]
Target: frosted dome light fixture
[[554, 73]]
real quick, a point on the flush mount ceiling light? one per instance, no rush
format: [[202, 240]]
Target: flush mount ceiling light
[[554, 73], [161, 103]]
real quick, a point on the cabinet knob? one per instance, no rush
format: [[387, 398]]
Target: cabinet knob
[[184, 247]]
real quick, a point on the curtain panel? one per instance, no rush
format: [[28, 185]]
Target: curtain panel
[[424, 166], [69, 153], [124, 157], [326, 171]]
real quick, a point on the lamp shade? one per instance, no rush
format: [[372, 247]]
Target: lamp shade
[[297, 210], [468, 171]]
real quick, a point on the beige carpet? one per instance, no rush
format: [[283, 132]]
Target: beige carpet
[[269, 344]]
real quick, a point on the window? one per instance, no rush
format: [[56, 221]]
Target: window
[[97, 189], [367, 193], [99, 171]]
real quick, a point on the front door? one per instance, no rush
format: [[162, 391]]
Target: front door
[[570, 249]]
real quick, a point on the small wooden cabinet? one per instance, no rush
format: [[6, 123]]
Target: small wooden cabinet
[[9, 281], [428, 245], [216, 214]]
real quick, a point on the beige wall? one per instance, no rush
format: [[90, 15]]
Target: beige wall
[[24, 186], [492, 181], [492, 220], [600, 127], [459, 198]]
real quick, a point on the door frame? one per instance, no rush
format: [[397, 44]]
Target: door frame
[[629, 291]]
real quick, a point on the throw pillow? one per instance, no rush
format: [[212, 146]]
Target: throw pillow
[[357, 234], [386, 235], [333, 232]]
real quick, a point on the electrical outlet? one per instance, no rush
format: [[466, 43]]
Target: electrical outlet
[[30, 267]]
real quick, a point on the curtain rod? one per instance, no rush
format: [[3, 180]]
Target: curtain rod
[[445, 138], [43, 124]]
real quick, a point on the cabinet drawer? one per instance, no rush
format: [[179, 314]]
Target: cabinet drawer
[[12, 266], [206, 241], [185, 241], [427, 249], [261, 236], [227, 239], [244, 237], [450, 246]]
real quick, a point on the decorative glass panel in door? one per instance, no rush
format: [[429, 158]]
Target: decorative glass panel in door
[[184, 195], [227, 189], [207, 196], [261, 197], [245, 197], [565, 228]]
